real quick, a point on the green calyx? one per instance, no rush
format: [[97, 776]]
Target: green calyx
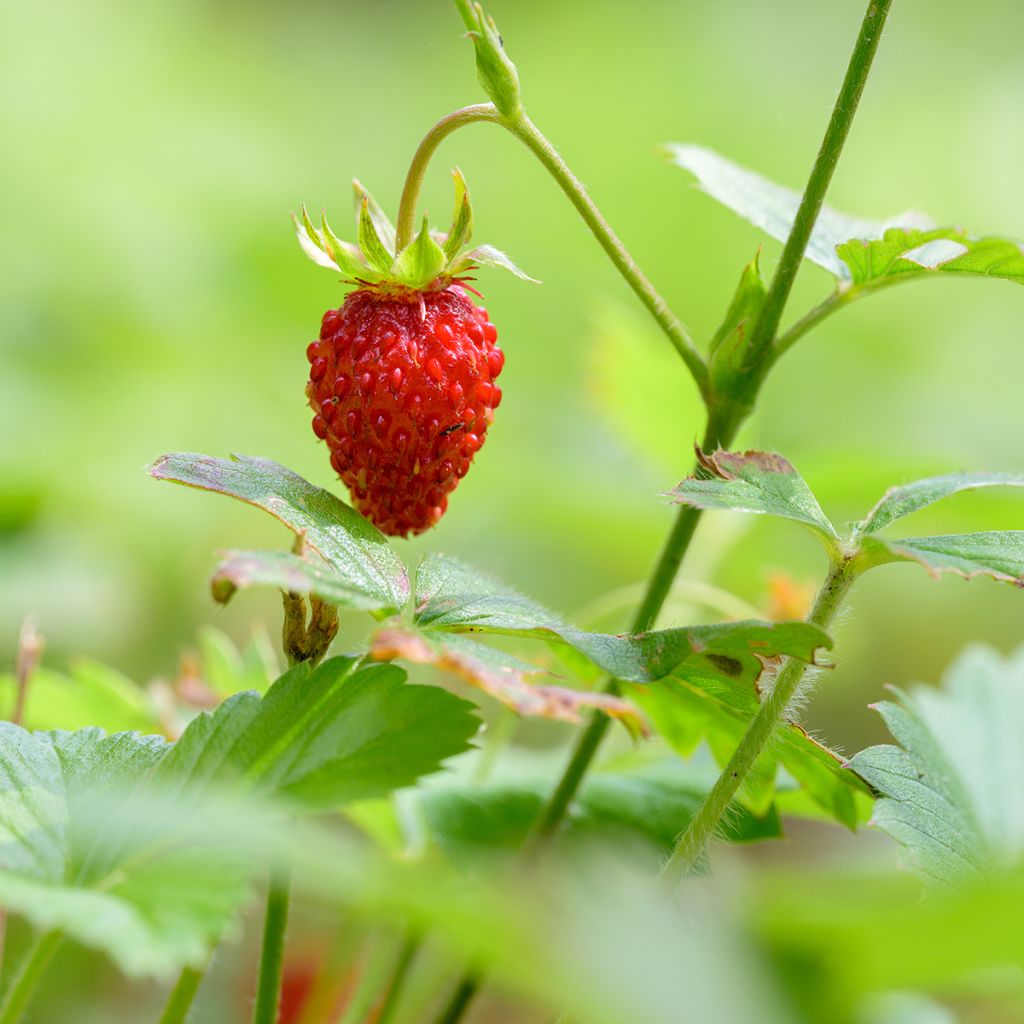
[[430, 262]]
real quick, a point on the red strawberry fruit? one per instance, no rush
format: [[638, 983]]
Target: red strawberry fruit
[[402, 377]]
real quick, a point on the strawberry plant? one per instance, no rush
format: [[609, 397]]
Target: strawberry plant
[[145, 824]]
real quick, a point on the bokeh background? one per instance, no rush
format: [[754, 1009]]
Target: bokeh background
[[153, 298]]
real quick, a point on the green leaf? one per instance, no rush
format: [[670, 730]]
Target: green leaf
[[462, 218], [497, 673], [420, 261], [636, 798], [908, 498], [772, 208], [760, 482], [998, 554], [693, 705], [951, 793], [295, 574], [355, 549], [488, 256], [71, 858], [373, 249], [452, 596], [323, 737], [382, 225], [905, 254]]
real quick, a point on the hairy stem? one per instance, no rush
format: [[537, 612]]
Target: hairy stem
[[767, 325], [31, 969], [268, 991], [690, 847], [525, 130], [182, 996], [406, 226]]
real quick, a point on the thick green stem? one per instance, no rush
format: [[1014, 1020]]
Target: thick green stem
[[182, 997], [31, 969], [406, 225], [275, 925], [524, 129], [689, 849], [767, 325]]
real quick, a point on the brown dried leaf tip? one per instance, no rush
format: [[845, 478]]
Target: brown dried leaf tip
[[506, 684]]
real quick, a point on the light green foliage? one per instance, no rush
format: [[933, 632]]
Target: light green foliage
[[859, 253], [763, 482], [322, 737], [950, 792], [637, 800], [364, 565]]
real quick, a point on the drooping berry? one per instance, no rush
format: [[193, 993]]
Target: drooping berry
[[402, 376], [402, 442]]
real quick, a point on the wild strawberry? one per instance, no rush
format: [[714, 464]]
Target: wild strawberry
[[402, 376]]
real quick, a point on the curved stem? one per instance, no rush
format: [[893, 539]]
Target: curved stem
[[268, 992], [31, 969], [182, 997], [689, 849], [525, 130], [406, 226], [864, 50]]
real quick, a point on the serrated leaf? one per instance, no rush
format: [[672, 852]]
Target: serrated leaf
[[383, 226], [322, 737], [998, 554], [354, 548], [759, 482], [908, 498], [772, 207], [451, 596], [635, 799], [295, 574], [949, 789], [501, 676], [69, 861], [420, 261], [377, 255], [462, 218], [488, 256], [902, 253]]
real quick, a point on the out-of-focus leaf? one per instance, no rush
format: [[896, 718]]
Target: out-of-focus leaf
[[758, 482], [999, 554], [151, 906], [91, 694], [453, 597], [353, 547], [322, 737], [497, 674], [291, 572], [903, 254], [773, 207], [636, 799], [950, 792], [226, 670], [908, 498]]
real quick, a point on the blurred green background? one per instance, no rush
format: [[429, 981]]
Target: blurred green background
[[153, 297]]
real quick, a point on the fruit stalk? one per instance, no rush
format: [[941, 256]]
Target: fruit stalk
[[268, 991]]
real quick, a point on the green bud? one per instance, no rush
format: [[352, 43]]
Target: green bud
[[496, 72]]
